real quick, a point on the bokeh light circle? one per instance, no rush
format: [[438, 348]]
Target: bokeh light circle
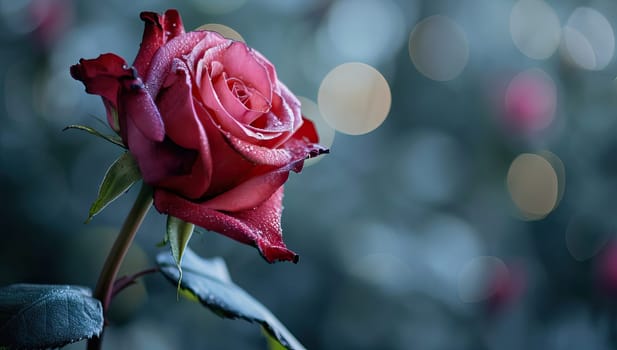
[[585, 238], [533, 185], [588, 39], [326, 133], [474, 282], [530, 101], [222, 29], [535, 28], [438, 47], [366, 30], [354, 98]]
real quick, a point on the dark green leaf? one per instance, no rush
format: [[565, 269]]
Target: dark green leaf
[[46, 316], [178, 235], [113, 139], [209, 281], [120, 176]]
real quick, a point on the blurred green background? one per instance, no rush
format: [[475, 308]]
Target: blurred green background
[[479, 215]]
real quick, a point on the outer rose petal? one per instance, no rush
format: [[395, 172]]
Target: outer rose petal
[[102, 76], [302, 145], [252, 192], [158, 161], [164, 56], [183, 127], [135, 102], [260, 226], [159, 29]]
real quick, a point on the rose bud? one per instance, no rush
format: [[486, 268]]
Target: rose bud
[[213, 130]]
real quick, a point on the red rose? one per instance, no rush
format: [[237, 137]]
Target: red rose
[[212, 128]]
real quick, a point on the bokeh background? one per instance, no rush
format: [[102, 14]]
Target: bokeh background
[[479, 215]]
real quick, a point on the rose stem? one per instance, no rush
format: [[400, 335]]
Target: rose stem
[[104, 286]]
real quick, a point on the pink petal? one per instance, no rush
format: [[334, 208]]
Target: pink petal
[[250, 193], [183, 127], [164, 56], [293, 104], [226, 121], [259, 226], [231, 167], [297, 148], [159, 29], [239, 62], [255, 105]]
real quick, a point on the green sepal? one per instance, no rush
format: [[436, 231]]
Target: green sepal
[[120, 176], [178, 235], [110, 138]]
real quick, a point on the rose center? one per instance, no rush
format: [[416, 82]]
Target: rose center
[[240, 90]]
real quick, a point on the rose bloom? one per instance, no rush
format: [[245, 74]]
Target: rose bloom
[[211, 127]]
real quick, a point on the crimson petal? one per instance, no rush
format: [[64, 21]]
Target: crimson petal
[[102, 76], [136, 103], [159, 29], [259, 226]]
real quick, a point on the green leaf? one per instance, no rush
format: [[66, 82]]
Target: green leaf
[[110, 138], [273, 344], [178, 235], [120, 176], [47, 316], [209, 281]]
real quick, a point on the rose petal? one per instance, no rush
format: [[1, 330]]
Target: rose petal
[[223, 118], [266, 64], [250, 193], [226, 121], [158, 162], [307, 132], [164, 56], [102, 77], [293, 103], [195, 59], [245, 112], [158, 30], [239, 62], [259, 226], [136, 103], [182, 126], [303, 145]]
